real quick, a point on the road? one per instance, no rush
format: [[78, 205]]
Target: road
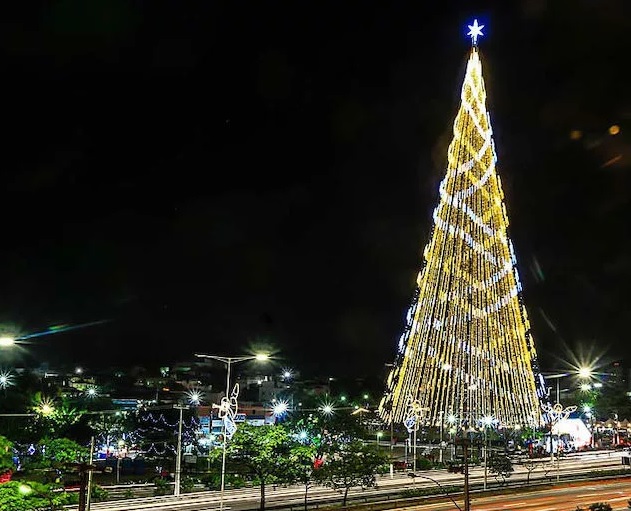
[[616, 493], [248, 498]]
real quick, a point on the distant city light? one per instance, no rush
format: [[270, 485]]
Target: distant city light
[[91, 392], [598, 385], [194, 397], [614, 130], [287, 374], [585, 387], [342, 398], [6, 379], [446, 367], [451, 418], [78, 370], [587, 408], [327, 409], [280, 408], [302, 435]]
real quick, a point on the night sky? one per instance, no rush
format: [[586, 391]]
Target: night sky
[[210, 175]]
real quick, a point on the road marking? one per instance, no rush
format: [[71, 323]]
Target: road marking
[[515, 504]]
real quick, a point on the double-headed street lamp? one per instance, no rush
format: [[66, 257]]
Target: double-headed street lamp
[[261, 357]]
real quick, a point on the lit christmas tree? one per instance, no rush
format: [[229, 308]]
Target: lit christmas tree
[[467, 351]]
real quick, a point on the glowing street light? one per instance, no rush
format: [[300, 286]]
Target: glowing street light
[[6, 379], [586, 387], [327, 409], [261, 357], [194, 397], [585, 372], [6, 342], [280, 408]]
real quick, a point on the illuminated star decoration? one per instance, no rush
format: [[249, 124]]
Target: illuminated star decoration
[[475, 30]]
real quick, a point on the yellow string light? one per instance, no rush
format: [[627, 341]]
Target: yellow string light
[[467, 350]]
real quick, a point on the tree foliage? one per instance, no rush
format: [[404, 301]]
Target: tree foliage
[[500, 466], [29, 495], [263, 452], [6, 455], [59, 452], [350, 464]]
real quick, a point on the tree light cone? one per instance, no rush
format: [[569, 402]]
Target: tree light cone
[[467, 350]]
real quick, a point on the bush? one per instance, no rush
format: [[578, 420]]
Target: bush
[[162, 486], [600, 506], [98, 493], [128, 493], [187, 484], [423, 464]]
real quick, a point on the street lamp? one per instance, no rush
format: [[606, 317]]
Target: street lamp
[[6, 342], [228, 361], [379, 435], [6, 379], [585, 372]]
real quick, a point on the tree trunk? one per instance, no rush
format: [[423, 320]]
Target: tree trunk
[[262, 506], [345, 496]]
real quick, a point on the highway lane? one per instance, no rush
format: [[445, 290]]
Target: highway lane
[[247, 498]]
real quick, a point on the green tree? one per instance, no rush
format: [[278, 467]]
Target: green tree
[[29, 495], [263, 452], [350, 464], [500, 466], [60, 452], [6, 455], [301, 459]]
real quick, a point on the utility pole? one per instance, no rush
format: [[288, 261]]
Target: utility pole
[[465, 453], [88, 497], [178, 458]]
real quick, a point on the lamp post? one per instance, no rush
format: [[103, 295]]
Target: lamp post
[[379, 435], [178, 455], [228, 361], [486, 421]]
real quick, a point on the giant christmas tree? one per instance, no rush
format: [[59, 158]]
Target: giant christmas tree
[[467, 351]]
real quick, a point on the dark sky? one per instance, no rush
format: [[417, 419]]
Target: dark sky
[[204, 174]]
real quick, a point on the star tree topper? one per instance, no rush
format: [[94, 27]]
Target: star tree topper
[[475, 30]]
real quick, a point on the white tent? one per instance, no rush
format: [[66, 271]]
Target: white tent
[[576, 429]]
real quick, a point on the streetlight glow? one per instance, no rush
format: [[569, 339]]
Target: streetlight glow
[[194, 397], [451, 418], [6, 379], [91, 392], [280, 408], [261, 357], [585, 387], [585, 372], [5, 342], [327, 409]]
